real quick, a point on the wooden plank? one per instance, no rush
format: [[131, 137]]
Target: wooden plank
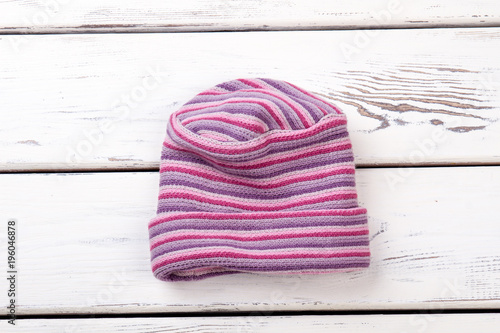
[[416, 323], [83, 248], [63, 16], [91, 102]]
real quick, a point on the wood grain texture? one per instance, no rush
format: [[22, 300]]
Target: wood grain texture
[[63, 16], [101, 101], [417, 323], [83, 248]]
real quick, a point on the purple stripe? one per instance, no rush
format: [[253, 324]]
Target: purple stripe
[[263, 265], [313, 109], [325, 205], [243, 191], [294, 92], [186, 179], [288, 112], [313, 242], [186, 205], [233, 85], [168, 176], [260, 224], [167, 276], [250, 109], [270, 171], [310, 106], [240, 135]]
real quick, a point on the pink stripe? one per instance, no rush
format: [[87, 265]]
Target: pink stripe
[[253, 83], [200, 271], [311, 95], [306, 121], [270, 108], [258, 215], [238, 255], [262, 235], [215, 136], [282, 181], [273, 205], [241, 122], [214, 92], [274, 254]]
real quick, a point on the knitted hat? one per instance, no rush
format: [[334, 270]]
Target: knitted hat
[[257, 175]]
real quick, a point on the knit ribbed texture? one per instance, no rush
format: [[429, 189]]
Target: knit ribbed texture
[[257, 175]]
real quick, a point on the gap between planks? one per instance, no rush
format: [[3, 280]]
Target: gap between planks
[[139, 29], [100, 16], [259, 313], [486, 323], [154, 167]]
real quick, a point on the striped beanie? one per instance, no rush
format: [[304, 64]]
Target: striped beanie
[[257, 176]]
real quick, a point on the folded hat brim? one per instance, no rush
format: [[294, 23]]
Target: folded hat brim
[[195, 245]]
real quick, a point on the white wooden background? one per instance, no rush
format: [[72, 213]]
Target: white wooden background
[[83, 115], [321, 324], [63, 16]]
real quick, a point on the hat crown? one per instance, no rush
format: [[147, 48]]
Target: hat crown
[[245, 109]]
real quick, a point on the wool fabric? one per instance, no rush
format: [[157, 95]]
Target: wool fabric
[[257, 176]]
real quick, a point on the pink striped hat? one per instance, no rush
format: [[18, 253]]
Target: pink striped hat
[[257, 176]]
